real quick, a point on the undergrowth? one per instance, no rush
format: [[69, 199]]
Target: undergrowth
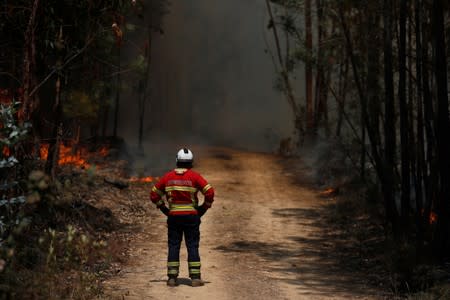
[[393, 264], [356, 214], [57, 247], [53, 244]]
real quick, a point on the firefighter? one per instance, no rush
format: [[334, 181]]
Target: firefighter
[[180, 186]]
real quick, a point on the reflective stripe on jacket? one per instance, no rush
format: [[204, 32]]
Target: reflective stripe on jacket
[[181, 187]]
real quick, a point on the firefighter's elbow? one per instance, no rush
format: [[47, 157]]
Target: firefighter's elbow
[[209, 194]]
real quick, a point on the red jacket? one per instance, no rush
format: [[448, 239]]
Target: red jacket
[[181, 187]]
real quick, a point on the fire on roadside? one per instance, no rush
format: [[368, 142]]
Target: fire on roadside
[[103, 151], [67, 156], [433, 217], [141, 179], [6, 152], [330, 192]]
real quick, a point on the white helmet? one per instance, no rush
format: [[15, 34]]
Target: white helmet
[[185, 156]]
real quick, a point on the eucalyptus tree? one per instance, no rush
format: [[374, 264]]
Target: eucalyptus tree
[[388, 85]]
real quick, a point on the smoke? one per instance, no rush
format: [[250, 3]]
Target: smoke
[[211, 82]]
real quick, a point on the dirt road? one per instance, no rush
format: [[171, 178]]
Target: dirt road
[[262, 239]]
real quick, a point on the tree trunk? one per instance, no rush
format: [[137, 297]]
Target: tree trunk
[[443, 141], [53, 149], [143, 97], [322, 76], [388, 186], [343, 81], [308, 70], [376, 157], [430, 172], [404, 139], [420, 149], [118, 91], [105, 113], [373, 73], [289, 92], [29, 63]]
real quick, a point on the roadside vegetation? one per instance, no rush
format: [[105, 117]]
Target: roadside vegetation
[[376, 96], [60, 81], [367, 84]]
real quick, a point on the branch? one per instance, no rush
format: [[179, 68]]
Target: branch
[[116, 183], [349, 122], [12, 76], [275, 32], [269, 51], [120, 72], [284, 72], [376, 157], [62, 67]]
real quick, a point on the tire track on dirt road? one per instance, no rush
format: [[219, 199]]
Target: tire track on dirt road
[[260, 240]]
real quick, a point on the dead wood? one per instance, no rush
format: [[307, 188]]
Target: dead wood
[[116, 183]]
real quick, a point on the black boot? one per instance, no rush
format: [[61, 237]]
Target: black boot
[[172, 281], [196, 281]]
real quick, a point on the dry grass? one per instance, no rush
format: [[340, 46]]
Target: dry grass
[[74, 238]]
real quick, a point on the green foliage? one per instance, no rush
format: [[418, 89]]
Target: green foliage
[[48, 260], [90, 172], [41, 188], [301, 54], [130, 27], [438, 292], [49, 249], [11, 132], [68, 249], [36, 259], [39, 255], [292, 4], [80, 105], [139, 64]]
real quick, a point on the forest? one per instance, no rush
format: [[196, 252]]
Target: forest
[[383, 64], [366, 79]]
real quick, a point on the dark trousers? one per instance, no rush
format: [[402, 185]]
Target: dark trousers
[[189, 226]]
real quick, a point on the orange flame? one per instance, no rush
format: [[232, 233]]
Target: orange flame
[[5, 96], [433, 218], [103, 151], [141, 179], [66, 156], [329, 192], [6, 152], [43, 152]]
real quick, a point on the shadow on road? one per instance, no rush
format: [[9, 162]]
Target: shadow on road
[[180, 281], [326, 259]]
